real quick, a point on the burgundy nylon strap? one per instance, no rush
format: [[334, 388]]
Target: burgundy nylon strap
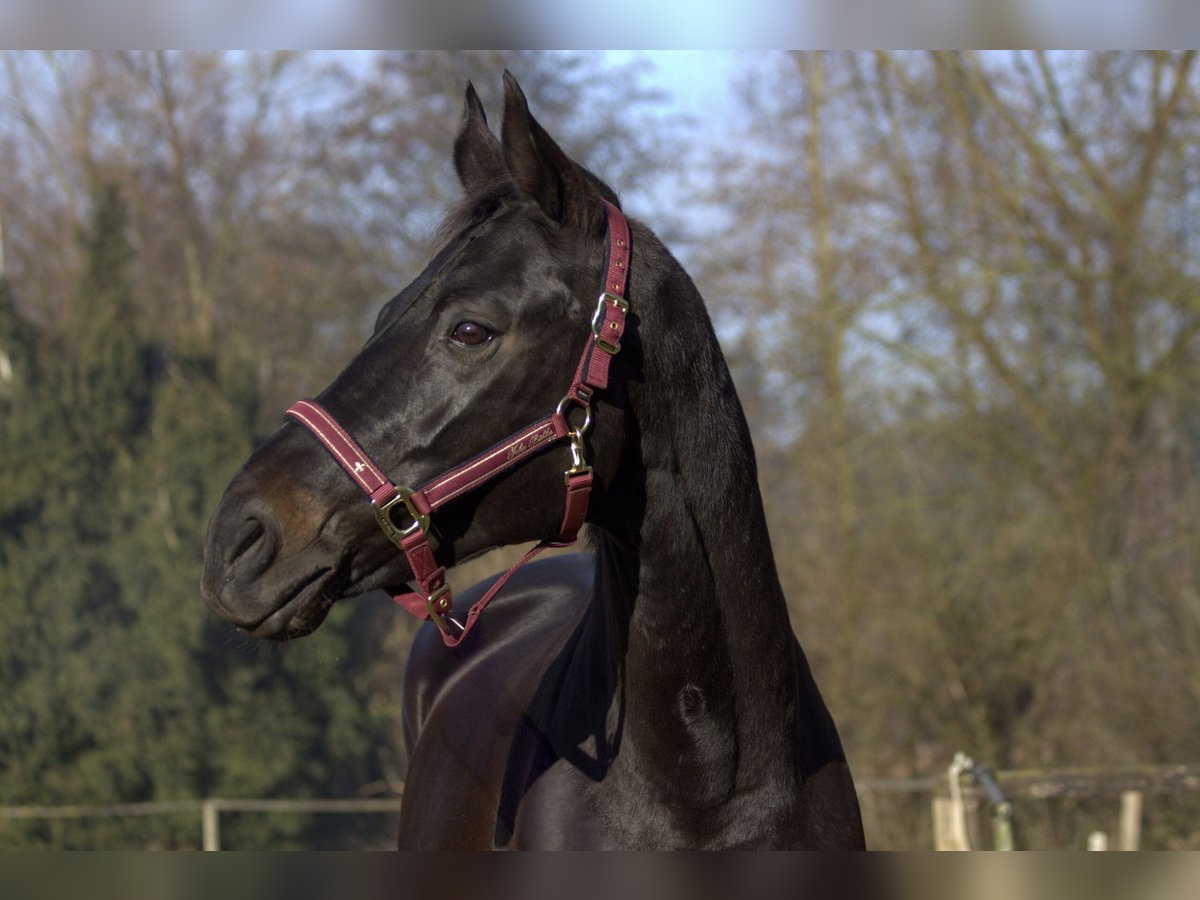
[[578, 488], [504, 455], [608, 326], [429, 576], [618, 250], [344, 449], [433, 598], [513, 450]]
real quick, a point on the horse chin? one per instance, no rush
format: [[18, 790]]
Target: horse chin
[[302, 612]]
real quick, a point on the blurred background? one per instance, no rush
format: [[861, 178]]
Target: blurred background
[[959, 293]]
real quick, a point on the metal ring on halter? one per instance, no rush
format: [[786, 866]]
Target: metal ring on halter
[[587, 414]]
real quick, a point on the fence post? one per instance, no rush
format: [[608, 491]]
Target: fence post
[[947, 813], [210, 824], [954, 813], [1130, 835]]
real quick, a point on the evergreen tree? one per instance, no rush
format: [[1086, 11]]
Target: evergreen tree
[[73, 409], [119, 685], [17, 357]]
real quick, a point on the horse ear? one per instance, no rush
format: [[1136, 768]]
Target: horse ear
[[541, 169], [477, 156]]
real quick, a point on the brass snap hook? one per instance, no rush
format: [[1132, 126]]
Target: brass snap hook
[[579, 464]]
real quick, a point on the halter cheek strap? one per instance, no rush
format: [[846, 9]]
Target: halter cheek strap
[[432, 599]]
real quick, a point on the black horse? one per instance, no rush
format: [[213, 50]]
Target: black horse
[[649, 694]]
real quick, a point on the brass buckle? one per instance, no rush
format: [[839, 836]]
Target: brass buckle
[[439, 608], [606, 299], [395, 533]]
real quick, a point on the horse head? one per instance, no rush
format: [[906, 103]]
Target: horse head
[[481, 343]]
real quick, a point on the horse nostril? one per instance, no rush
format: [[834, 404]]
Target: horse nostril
[[252, 532], [254, 546]]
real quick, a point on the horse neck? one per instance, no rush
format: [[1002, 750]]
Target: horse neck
[[687, 561]]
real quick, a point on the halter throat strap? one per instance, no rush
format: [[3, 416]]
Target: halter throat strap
[[405, 515]]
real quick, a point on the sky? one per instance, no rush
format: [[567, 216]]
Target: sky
[[700, 85], [751, 24], [699, 80]]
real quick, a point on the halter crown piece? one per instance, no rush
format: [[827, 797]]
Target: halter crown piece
[[432, 599]]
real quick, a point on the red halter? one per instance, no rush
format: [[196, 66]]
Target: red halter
[[432, 599]]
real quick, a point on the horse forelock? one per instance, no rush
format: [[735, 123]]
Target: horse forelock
[[484, 203], [473, 210]]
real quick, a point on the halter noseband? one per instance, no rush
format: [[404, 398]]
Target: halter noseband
[[432, 599]]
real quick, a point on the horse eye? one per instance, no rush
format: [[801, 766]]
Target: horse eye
[[470, 334]]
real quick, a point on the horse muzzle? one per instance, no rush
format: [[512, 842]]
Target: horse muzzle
[[252, 582]]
